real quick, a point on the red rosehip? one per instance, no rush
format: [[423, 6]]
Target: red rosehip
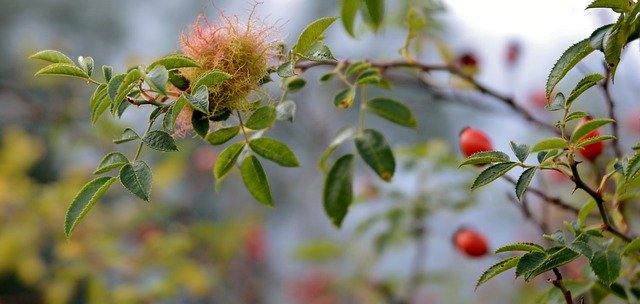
[[592, 151], [470, 242], [538, 99], [469, 63], [513, 53], [473, 141]]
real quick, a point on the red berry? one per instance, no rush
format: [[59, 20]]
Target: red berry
[[538, 99], [470, 242], [592, 151], [513, 53], [473, 141], [469, 63]]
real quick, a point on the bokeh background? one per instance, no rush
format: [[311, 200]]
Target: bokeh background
[[191, 244]]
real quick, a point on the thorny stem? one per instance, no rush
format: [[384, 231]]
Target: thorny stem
[[558, 283], [580, 184], [611, 108], [305, 65]]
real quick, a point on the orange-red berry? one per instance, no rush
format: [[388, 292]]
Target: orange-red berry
[[473, 141], [470, 242]]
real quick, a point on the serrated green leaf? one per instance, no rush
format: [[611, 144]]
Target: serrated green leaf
[[312, 34], [497, 269], [567, 60], [52, 56], [222, 135], [581, 248], [376, 152], [175, 109], [275, 151], [544, 156], [485, 157], [200, 100], [262, 118], [200, 123], [338, 189], [596, 39], [576, 115], [86, 64], [606, 265], [107, 72], [633, 246], [586, 128], [63, 69], [550, 144], [111, 161], [619, 6], [521, 151], [157, 79], [592, 140], [114, 84], [492, 173], [127, 135], [558, 258], [210, 79], [175, 61], [136, 177], [375, 8], [295, 83], [160, 140], [319, 52], [286, 110], [255, 180], [524, 181], [632, 168], [613, 42], [369, 76], [99, 102], [392, 110], [348, 12], [520, 247], [178, 80], [529, 262], [127, 85], [557, 103], [344, 99], [344, 134], [287, 69], [583, 85], [227, 159], [84, 200]]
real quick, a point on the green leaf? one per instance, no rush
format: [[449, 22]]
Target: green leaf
[[348, 15], [199, 100], [175, 61], [544, 156], [581, 248], [550, 144], [344, 134], [319, 52], [99, 102], [127, 135], [175, 109], [375, 151], [200, 123], [107, 72], [485, 158], [613, 42], [327, 76], [84, 200], [160, 140], [392, 110], [87, 64], [356, 67], [286, 110], [520, 247], [497, 269], [295, 83], [52, 56], [262, 118], [222, 135], [576, 115], [529, 262], [606, 265], [557, 104], [592, 140], [338, 189], [210, 79], [583, 85], [178, 80], [227, 159], [584, 211], [492, 173], [287, 69], [632, 168], [567, 60], [344, 99], [633, 246], [157, 79], [521, 151], [255, 180], [596, 39], [375, 8], [63, 69], [136, 177], [114, 84], [275, 151], [371, 75], [560, 257], [127, 85], [312, 34], [524, 181], [111, 161], [587, 127], [619, 6]]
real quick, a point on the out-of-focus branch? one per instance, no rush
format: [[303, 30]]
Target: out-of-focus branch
[[606, 88]]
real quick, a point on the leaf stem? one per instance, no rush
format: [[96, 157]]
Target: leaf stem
[[244, 133], [139, 150]]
